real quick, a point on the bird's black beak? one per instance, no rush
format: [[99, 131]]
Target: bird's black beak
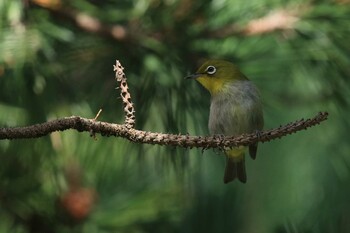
[[192, 76]]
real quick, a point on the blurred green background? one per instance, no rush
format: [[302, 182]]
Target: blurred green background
[[56, 60]]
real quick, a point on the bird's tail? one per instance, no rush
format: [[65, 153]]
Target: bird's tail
[[235, 167]]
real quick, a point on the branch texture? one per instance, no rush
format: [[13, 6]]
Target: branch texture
[[108, 129], [127, 130]]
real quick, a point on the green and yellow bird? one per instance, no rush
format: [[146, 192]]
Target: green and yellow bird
[[235, 109]]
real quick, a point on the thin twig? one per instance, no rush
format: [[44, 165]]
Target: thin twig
[[98, 114]]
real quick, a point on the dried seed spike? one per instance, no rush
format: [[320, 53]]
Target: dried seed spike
[[125, 95]]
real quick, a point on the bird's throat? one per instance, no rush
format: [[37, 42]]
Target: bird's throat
[[213, 85]]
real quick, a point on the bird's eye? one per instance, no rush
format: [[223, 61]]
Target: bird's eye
[[211, 70]]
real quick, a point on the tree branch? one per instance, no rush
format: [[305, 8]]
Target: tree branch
[[121, 130], [84, 21], [276, 20], [127, 130], [279, 19]]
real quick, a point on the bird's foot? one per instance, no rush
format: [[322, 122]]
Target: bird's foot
[[221, 138], [258, 134]]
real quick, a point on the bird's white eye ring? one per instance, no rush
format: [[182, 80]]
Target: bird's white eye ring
[[211, 70]]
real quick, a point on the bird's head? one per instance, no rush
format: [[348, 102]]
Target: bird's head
[[215, 75]]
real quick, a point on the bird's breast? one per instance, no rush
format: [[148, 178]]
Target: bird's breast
[[236, 110]]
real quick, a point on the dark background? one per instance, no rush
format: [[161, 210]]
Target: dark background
[[56, 60]]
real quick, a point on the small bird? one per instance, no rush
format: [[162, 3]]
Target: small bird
[[235, 109]]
